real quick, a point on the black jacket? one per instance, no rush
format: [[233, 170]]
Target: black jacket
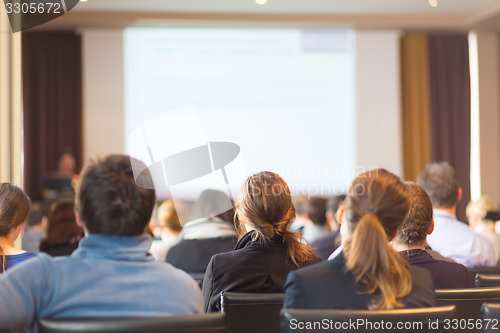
[[446, 275], [328, 286], [258, 266], [193, 255]]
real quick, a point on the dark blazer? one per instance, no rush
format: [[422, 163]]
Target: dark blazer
[[326, 244], [328, 286], [258, 266], [446, 275], [193, 255], [61, 250]]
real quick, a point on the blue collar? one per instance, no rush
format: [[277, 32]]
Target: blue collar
[[126, 248]]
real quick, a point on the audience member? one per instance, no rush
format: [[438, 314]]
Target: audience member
[[35, 230], [14, 210], [267, 250], [452, 238], [315, 225], [328, 243], [63, 234], [367, 273], [169, 227], [209, 233], [411, 241], [482, 215], [111, 274]]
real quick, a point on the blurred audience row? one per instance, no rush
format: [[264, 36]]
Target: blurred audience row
[[384, 244]]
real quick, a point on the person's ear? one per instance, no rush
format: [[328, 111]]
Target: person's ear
[[78, 220], [431, 228], [340, 214], [459, 197]]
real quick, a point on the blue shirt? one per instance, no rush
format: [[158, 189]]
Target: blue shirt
[[107, 276], [14, 259], [456, 240]]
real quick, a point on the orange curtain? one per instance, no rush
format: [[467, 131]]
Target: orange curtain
[[416, 131]]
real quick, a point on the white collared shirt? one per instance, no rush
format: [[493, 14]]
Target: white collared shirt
[[456, 240]]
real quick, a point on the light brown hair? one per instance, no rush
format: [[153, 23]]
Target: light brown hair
[[376, 205], [14, 209], [266, 204]]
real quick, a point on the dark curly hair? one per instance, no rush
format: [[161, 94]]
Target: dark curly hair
[[419, 218]]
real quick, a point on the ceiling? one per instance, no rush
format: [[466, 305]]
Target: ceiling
[[409, 14]]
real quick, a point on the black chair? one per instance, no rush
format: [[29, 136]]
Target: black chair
[[487, 280], [491, 317], [468, 301], [251, 312], [213, 323], [481, 270], [400, 320]]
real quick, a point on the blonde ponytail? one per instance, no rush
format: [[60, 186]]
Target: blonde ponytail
[[374, 213], [374, 263]]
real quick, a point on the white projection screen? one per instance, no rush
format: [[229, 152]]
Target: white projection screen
[[284, 97]]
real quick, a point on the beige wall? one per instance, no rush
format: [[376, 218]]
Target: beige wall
[[379, 141], [103, 100], [489, 113]]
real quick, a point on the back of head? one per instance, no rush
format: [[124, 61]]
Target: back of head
[[375, 207], [110, 202], [440, 182], [419, 218], [486, 209], [62, 227], [316, 210], [266, 205], [213, 203], [168, 218], [334, 203], [14, 210]]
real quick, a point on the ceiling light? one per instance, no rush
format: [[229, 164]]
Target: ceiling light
[[433, 3], [261, 2], [83, 0]]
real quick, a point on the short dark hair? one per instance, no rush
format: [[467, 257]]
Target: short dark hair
[[334, 203], [316, 210], [109, 200], [419, 218], [440, 182]]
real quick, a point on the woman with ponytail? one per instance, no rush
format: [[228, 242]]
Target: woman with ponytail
[[267, 249], [14, 209], [366, 273]]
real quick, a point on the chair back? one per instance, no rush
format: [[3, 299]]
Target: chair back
[[399, 320], [487, 280], [481, 270], [468, 301], [205, 323], [252, 312], [491, 317]]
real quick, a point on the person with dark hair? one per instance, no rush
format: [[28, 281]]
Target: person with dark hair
[[367, 273], [328, 243], [35, 230], [14, 210], [452, 238], [315, 219], [111, 274], [411, 241], [210, 232], [63, 234], [267, 249]]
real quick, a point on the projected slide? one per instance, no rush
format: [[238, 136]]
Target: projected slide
[[284, 97]]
